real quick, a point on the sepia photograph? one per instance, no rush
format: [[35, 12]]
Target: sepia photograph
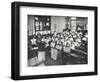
[[57, 40]]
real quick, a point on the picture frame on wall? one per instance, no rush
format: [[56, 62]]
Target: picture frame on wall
[[53, 40]]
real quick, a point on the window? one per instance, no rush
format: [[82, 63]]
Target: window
[[42, 23]]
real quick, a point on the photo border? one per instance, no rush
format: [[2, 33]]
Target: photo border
[[15, 40]]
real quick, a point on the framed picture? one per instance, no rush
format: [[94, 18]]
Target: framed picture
[[53, 40]]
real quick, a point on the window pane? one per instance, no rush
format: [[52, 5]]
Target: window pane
[[37, 28], [48, 19], [37, 24], [41, 25], [36, 18], [47, 24]]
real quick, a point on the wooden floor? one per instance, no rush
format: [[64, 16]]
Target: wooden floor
[[62, 59]]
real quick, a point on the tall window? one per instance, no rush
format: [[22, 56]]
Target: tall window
[[42, 23]]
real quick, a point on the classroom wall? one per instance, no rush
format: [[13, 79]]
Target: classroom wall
[[58, 20], [30, 24], [60, 23]]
